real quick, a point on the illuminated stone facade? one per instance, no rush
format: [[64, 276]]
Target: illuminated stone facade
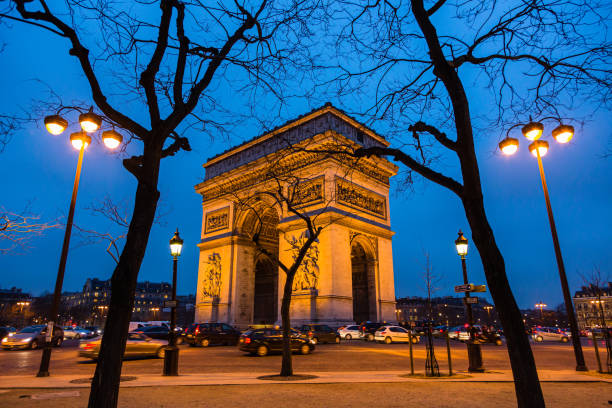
[[346, 276]]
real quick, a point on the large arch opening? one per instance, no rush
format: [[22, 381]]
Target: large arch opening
[[361, 287], [265, 292]]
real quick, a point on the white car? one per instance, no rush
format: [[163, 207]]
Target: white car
[[76, 333], [394, 334], [541, 334], [350, 332]]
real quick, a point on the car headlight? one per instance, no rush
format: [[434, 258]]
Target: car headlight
[[27, 339], [11, 334], [4, 340]]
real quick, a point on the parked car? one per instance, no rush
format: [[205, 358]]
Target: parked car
[[262, 342], [541, 334], [453, 332], [395, 334], [6, 330], [160, 333], [350, 332], [368, 330], [320, 333], [32, 337], [137, 345], [205, 334]]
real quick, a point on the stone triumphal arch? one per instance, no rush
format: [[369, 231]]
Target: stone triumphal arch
[[346, 276]]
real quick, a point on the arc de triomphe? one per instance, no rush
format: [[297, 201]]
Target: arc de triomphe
[[347, 275]]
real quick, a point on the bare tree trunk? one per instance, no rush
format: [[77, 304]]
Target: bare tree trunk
[[105, 385], [527, 384], [287, 363]]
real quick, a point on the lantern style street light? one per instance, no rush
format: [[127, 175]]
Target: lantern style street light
[[172, 352], [55, 124], [538, 148], [474, 351]]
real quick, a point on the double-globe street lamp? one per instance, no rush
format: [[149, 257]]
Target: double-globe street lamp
[[541, 306], [55, 124], [171, 354], [474, 351], [538, 148]]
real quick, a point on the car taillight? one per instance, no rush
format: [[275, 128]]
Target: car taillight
[[88, 346], [383, 332], [441, 331], [247, 340], [309, 334], [197, 330]]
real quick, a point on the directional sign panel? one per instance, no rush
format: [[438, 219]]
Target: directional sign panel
[[470, 300], [464, 288], [479, 288], [170, 303]]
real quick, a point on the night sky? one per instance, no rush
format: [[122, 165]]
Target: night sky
[[38, 169]]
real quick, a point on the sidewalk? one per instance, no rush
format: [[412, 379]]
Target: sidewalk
[[151, 380]]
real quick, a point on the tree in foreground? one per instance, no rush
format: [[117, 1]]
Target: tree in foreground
[[174, 62], [412, 60]]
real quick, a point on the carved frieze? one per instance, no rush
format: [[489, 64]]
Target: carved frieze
[[217, 220], [355, 196], [309, 192]]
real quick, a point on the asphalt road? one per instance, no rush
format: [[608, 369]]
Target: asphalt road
[[346, 356]]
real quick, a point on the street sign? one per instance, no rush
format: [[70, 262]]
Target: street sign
[[470, 300], [470, 287], [464, 288], [170, 303]]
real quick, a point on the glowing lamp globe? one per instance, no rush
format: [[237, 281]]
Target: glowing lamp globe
[[90, 122], [111, 139], [462, 245], [509, 146], [55, 124], [539, 146], [80, 140], [563, 133], [176, 244], [533, 130]]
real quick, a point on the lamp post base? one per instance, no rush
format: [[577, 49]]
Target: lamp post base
[[475, 358], [171, 356]]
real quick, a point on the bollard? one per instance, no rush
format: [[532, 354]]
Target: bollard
[[448, 351], [411, 357]]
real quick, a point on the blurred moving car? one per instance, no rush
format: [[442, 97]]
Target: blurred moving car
[[395, 334], [541, 334], [350, 332], [439, 331], [205, 334], [32, 337], [320, 333], [368, 329], [137, 345], [262, 342], [95, 330], [76, 332], [160, 333], [6, 330]]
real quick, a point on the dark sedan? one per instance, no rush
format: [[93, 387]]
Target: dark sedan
[[205, 334], [320, 333], [159, 333], [262, 342]]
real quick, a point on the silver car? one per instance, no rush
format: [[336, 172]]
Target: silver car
[[350, 332], [541, 334]]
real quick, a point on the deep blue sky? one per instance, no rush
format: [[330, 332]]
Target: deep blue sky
[[39, 168]]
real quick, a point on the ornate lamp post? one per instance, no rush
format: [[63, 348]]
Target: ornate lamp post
[[538, 148], [172, 352], [541, 306], [55, 124], [474, 351]]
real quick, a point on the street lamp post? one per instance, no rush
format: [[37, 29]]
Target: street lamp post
[[172, 353], [55, 124], [488, 308], [474, 351], [541, 306], [538, 148]]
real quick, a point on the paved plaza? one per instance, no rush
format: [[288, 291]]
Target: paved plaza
[[373, 374]]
